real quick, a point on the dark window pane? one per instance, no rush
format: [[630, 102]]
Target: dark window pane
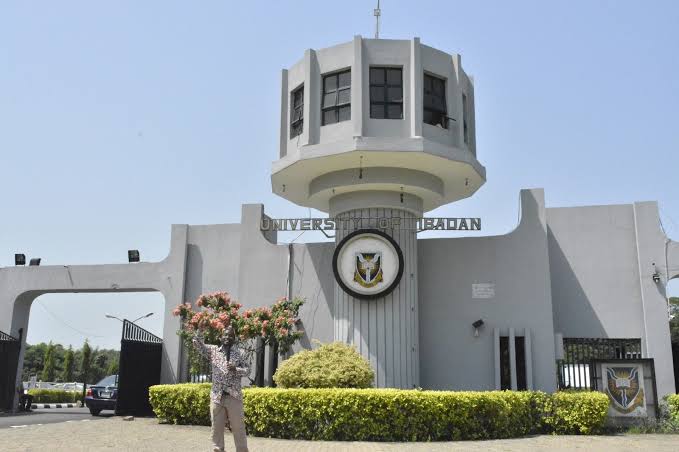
[[330, 83], [330, 116], [520, 349], [394, 77], [395, 95], [297, 112], [345, 79], [427, 82], [376, 94], [505, 371], [296, 115], [376, 76], [395, 111], [344, 96], [377, 111], [330, 100], [345, 113]]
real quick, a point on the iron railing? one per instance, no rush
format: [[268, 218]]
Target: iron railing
[[575, 369]]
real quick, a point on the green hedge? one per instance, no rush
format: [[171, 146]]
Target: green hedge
[[334, 365], [391, 414], [55, 396], [673, 405]]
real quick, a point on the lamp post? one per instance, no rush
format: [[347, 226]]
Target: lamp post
[[109, 316]]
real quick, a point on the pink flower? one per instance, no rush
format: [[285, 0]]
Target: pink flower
[[200, 302], [265, 324], [176, 311], [216, 324]]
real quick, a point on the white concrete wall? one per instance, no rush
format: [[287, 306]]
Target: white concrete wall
[[451, 357], [602, 263]]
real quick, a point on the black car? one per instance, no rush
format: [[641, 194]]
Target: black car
[[103, 395]]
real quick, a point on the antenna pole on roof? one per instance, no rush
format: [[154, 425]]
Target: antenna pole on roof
[[377, 12]]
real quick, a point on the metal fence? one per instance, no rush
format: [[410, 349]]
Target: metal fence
[[575, 369], [9, 359]]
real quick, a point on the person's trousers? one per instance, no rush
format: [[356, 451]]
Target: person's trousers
[[232, 409]]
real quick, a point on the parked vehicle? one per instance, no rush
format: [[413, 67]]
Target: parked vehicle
[[103, 395]]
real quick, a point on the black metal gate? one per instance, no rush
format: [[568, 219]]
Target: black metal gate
[[675, 359], [575, 369], [9, 361], [139, 368]]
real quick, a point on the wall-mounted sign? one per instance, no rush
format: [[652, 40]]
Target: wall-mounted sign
[[367, 264], [330, 224], [624, 386], [483, 290]]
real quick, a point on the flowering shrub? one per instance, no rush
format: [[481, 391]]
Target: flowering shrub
[[219, 310]]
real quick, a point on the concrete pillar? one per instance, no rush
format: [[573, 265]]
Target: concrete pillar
[[384, 330]]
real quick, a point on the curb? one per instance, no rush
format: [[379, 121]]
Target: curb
[[54, 405]]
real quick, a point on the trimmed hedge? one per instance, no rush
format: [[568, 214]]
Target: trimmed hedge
[[334, 365], [391, 414], [55, 396], [673, 406]]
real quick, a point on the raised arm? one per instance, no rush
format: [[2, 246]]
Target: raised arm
[[202, 348], [242, 367]]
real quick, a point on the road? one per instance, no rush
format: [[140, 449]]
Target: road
[[50, 416]]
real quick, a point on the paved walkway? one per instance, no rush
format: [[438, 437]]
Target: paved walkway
[[147, 435]]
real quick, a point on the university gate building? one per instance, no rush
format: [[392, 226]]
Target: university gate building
[[376, 133]]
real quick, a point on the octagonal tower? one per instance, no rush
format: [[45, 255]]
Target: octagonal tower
[[374, 129]]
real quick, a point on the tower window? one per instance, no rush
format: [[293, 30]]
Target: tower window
[[386, 93], [297, 112], [435, 107], [465, 127], [336, 103]]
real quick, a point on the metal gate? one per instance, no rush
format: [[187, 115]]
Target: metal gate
[[139, 368], [575, 370], [9, 361]]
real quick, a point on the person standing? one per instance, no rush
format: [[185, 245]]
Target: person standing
[[226, 396]]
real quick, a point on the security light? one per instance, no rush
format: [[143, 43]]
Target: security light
[[656, 277], [34, 262], [478, 324], [133, 255], [19, 259]]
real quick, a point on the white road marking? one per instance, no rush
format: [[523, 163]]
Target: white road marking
[[18, 426]]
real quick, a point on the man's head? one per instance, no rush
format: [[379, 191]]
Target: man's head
[[229, 336]]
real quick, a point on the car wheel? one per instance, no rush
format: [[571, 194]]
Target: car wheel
[[94, 411]]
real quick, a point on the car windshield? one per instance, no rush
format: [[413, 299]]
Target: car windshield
[[111, 380]]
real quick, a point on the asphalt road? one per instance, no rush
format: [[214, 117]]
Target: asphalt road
[[50, 416]]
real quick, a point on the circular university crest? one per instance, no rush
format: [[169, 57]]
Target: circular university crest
[[368, 264]]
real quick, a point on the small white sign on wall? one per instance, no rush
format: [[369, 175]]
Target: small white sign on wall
[[483, 290]]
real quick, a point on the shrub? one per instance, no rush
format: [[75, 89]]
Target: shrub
[[575, 413], [390, 414], [55, 396], [187, 403], [673, 406], [335, 365]]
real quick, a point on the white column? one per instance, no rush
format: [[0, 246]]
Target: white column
[[384, 330], [512, 358], [529, 359]]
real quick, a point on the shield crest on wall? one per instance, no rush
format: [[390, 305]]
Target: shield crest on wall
[[624, 388], [368, 271]]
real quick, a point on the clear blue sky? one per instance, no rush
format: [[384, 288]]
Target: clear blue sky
[[118, 119]]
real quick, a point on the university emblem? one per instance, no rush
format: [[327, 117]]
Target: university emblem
[[367, 264], [368, 272], [625, 388]]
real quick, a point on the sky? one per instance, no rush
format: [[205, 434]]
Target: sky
[[118, 119]]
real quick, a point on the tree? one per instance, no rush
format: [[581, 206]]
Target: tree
[[112, 367], [85, 364], [48, 367], [674, 319], [69, 365]]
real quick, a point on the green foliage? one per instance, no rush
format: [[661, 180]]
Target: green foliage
[[65, 359], [112, 368], [335, 365], [48, 369], [390, 414], [85, 362], [54, 396], [673, 407], [69, 365], [575, 413], [674, 319], [187, 403]]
